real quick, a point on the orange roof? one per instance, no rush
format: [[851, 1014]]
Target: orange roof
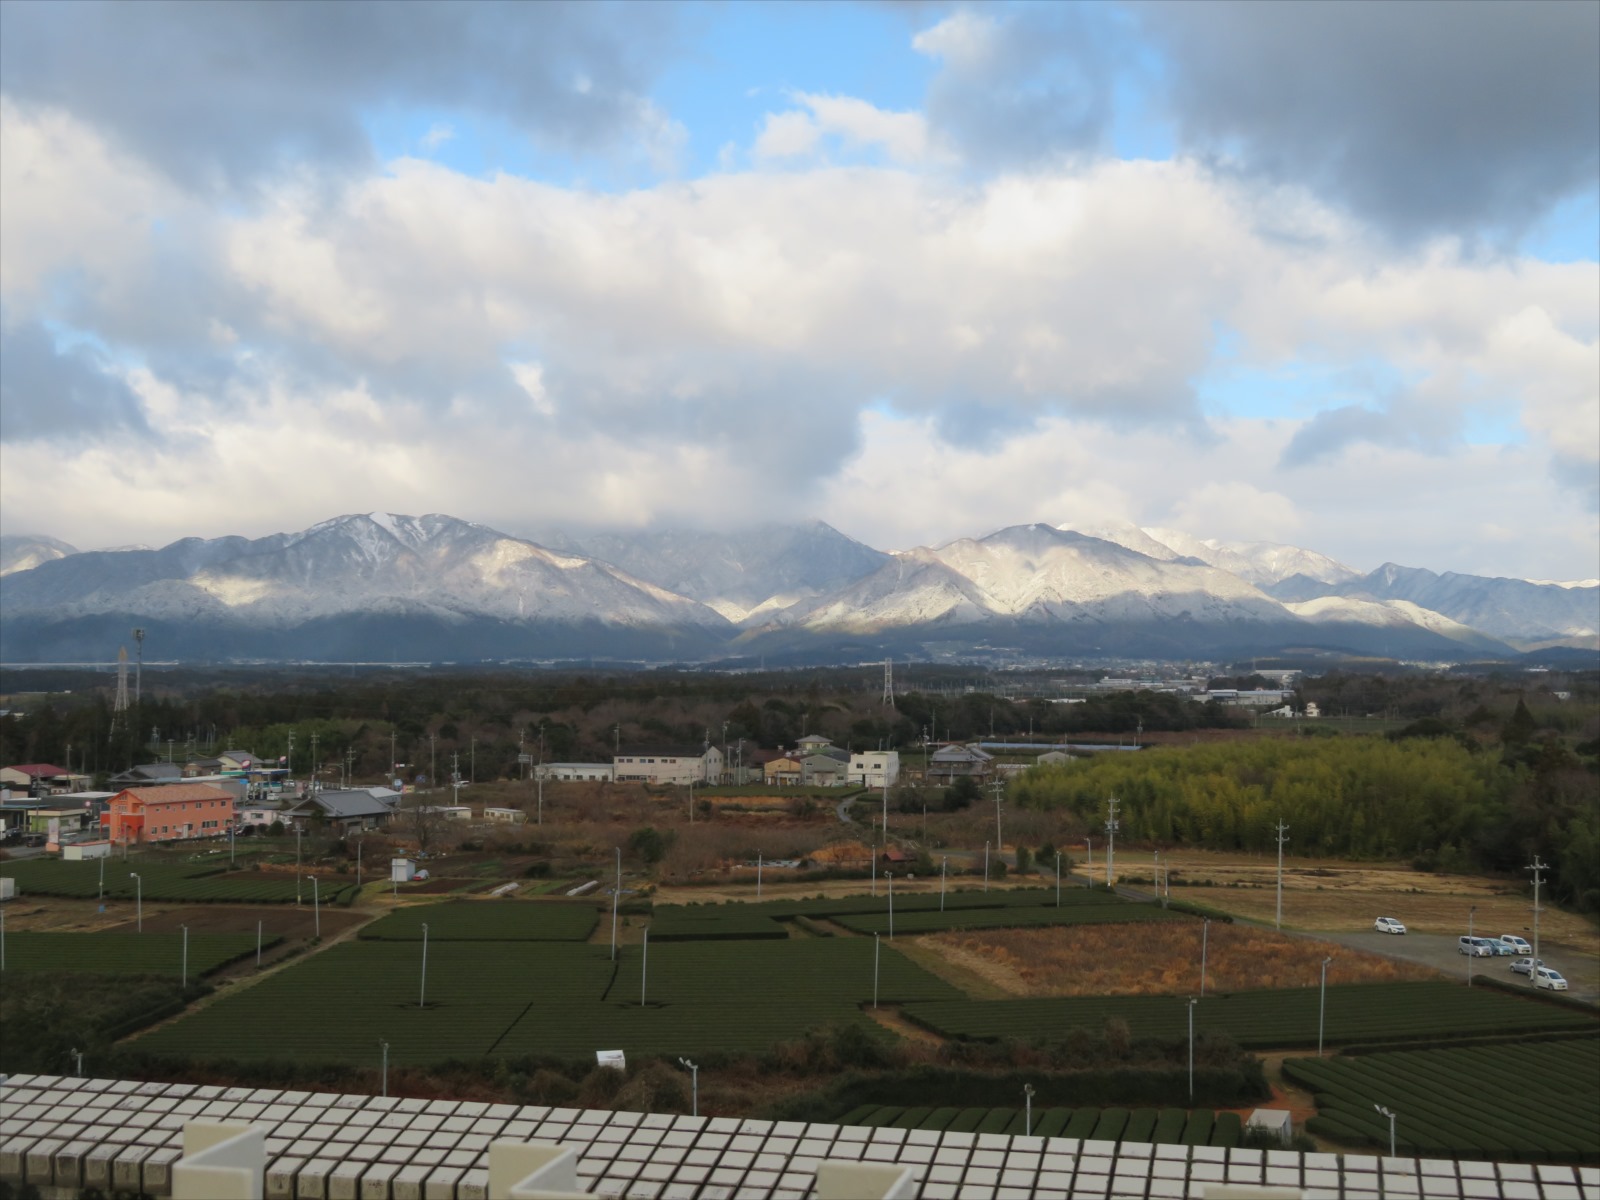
[[174, 792]]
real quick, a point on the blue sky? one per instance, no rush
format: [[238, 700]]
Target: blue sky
[[1242, 269]]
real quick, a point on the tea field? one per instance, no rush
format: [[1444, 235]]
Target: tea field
[[546, 1000], [123, 953], [1171, 1126], [1363, 1012], [198, 882], [1531, 1100], [488, 921]]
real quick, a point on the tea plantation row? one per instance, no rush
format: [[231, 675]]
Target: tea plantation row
[[1358, 1012], [167, 882], [128, 953], [546, 1000], [1533, 1100], [1170, 1126]]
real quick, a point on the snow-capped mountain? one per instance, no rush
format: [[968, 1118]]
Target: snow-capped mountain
[[23, 552], [746, 576], [1527, 613], [378, 586], [1039, 584], [372, 585]]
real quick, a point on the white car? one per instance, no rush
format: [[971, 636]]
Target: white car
[[1516, 943], [1388, 925], [1544, 977]]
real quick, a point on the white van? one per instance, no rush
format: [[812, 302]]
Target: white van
[[1477, 947]]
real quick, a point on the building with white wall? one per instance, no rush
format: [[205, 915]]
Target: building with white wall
[[875, 768]]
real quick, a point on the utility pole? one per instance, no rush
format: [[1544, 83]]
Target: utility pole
[[1111, 842], [455, 778], [1538, 868], [314, 764], [1283, 836], [472, 762], [433, 764], [999, 786], [392, 757]]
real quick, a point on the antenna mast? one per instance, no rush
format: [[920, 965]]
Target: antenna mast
[[120, 708]]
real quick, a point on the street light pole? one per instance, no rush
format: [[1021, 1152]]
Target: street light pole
[[1027, 1119], [138, 897], [385, 1046], [297, 866], [986, 866], [1058, 879], [1191, 1003], [1111, 841], [890, 875], [1322, 1004], [422, 996], [694, 1087], [1388, 1113], [616, 899], [316, 907], [183, 979], [1283, 836], [944, 866], [1205, 944], [876, 943], [1472, 948], [102, 894]]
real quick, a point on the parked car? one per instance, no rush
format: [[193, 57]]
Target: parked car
[[1544, 977], [1388, 925], [1477, 947], [1512, 939], [1525, 966], [1501, 947]]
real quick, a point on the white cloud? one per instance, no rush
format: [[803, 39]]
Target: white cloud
[[727, 348], [798, 133], [438, 134]]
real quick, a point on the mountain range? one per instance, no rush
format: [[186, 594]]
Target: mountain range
[[383, 587]]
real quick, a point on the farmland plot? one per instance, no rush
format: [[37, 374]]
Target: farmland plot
[[546, 1000], [128, 953], [1355, 1013], [164, 882], [1530, 1101], [1174, 1126], [487, 921]]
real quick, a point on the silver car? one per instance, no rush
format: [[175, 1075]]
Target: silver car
[[1526, 966]]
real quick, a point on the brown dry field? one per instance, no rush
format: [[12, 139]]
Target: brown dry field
[[1155, 959]]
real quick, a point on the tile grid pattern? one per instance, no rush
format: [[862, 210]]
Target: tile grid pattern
[[67, 1133]]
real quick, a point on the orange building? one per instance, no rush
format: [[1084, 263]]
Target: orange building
[[170, 812]]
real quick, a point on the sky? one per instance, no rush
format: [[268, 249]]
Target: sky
[[1314, 273]]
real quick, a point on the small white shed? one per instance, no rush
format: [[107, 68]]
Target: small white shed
[[401, 870], [1276, 1121]]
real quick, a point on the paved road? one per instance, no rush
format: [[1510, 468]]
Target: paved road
[[1439, 951]]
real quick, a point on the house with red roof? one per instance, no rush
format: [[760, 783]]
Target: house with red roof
[[169, 813]]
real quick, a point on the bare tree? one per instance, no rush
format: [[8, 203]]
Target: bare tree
[[424, 822]]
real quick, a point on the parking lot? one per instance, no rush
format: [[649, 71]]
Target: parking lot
[[1440, 952]]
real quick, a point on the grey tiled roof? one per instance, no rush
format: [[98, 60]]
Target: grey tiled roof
[[121, 1134]]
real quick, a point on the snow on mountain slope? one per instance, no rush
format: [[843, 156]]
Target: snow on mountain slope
[[23, 552], [357, 564], [1123, 533], [1390, 614], [1256, 562], [1040, 574], [745, 576]]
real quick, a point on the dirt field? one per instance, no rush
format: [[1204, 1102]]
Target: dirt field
[[1156, 959]]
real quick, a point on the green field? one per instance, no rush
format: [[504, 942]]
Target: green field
[[128, 953], [197, 882], [1174, 1126], [1362, 1012], [487, 921], [547, 1000], [914, 912], [1529, 1101]]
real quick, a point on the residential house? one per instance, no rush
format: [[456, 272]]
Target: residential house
[[875, 768], [170, 812], [813, 743], [238, 760], [784, 770], [42, 779], [949, 763], [148, 774], [825, 770], [669, 764], [342, 811]]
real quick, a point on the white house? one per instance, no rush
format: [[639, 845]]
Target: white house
[[875, 768], [669, 764]]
